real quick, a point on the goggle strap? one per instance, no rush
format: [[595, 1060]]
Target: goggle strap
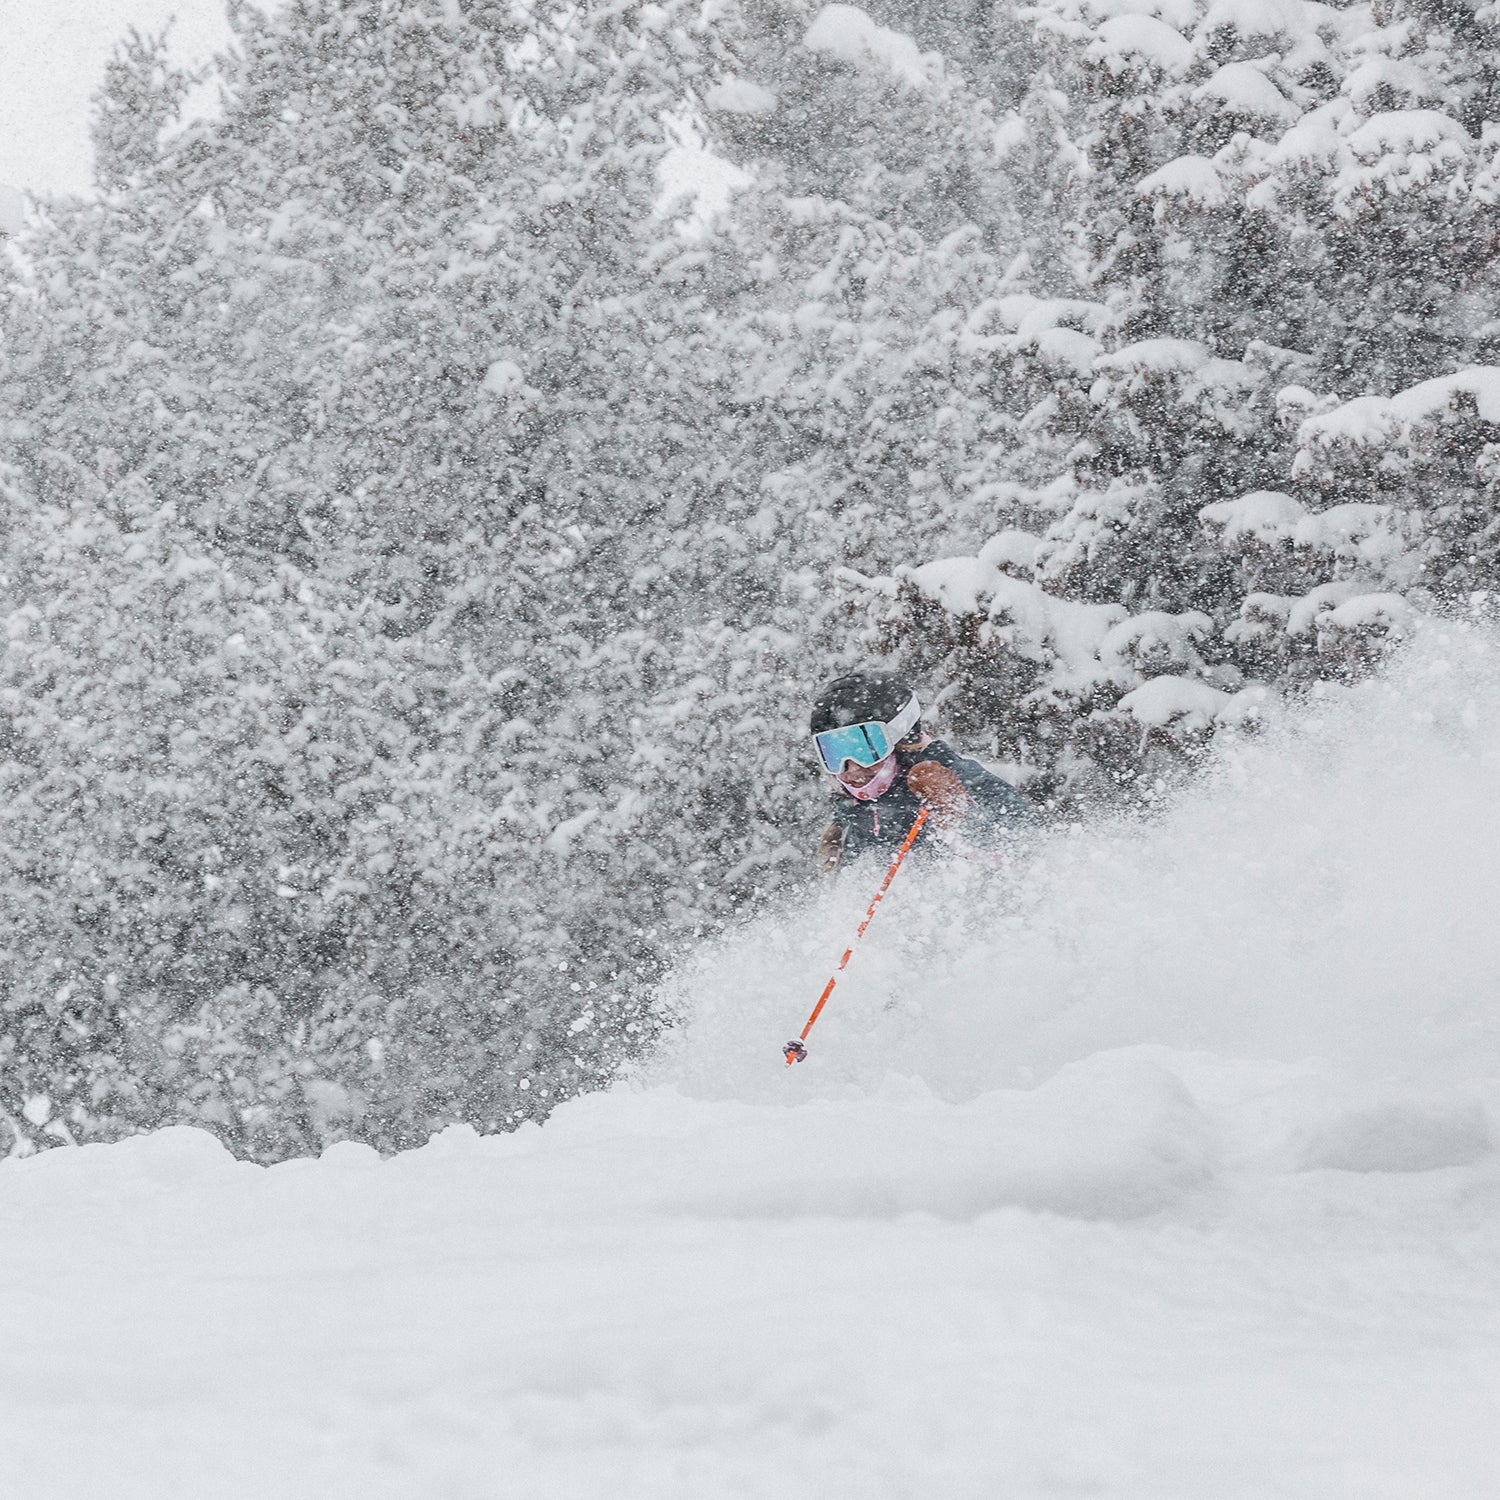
[[903, 722]]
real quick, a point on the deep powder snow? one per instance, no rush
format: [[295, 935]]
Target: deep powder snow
[[1160, 1163]]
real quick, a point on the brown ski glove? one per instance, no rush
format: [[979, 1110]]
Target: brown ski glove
[[941, 790], [831, 848]]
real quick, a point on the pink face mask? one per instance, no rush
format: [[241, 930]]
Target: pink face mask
[[880, 782]]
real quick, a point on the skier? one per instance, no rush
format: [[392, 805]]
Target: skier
[[867, 730]]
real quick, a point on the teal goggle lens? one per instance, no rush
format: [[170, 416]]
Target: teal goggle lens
[[865, 744]]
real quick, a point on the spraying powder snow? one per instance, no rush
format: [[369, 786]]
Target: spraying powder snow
[[1322, 898]]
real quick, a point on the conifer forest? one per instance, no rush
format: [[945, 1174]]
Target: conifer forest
[[425, 518]]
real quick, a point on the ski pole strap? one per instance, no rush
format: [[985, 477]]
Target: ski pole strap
[[795, 1051]]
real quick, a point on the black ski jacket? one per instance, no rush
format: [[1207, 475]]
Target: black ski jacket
[[880, 826]]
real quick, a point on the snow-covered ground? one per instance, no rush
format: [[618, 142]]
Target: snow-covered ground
[[1163, 1165]]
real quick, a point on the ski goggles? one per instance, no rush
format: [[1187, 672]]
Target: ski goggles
[[865, 744]]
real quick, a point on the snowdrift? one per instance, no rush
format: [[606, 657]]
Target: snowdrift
[[1161, 1162]]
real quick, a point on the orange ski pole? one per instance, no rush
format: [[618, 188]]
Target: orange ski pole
[[795, 1050]]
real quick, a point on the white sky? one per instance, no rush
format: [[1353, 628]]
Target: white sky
[[52, 56]]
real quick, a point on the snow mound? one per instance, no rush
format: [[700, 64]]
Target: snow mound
[[167, 1161], [1115, 1136], [1401, 1136]]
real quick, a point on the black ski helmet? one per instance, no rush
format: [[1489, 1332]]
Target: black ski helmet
[[861, 698]]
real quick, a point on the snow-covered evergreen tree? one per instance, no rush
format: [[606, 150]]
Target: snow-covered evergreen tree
[[1283, 225], [375, 365]]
